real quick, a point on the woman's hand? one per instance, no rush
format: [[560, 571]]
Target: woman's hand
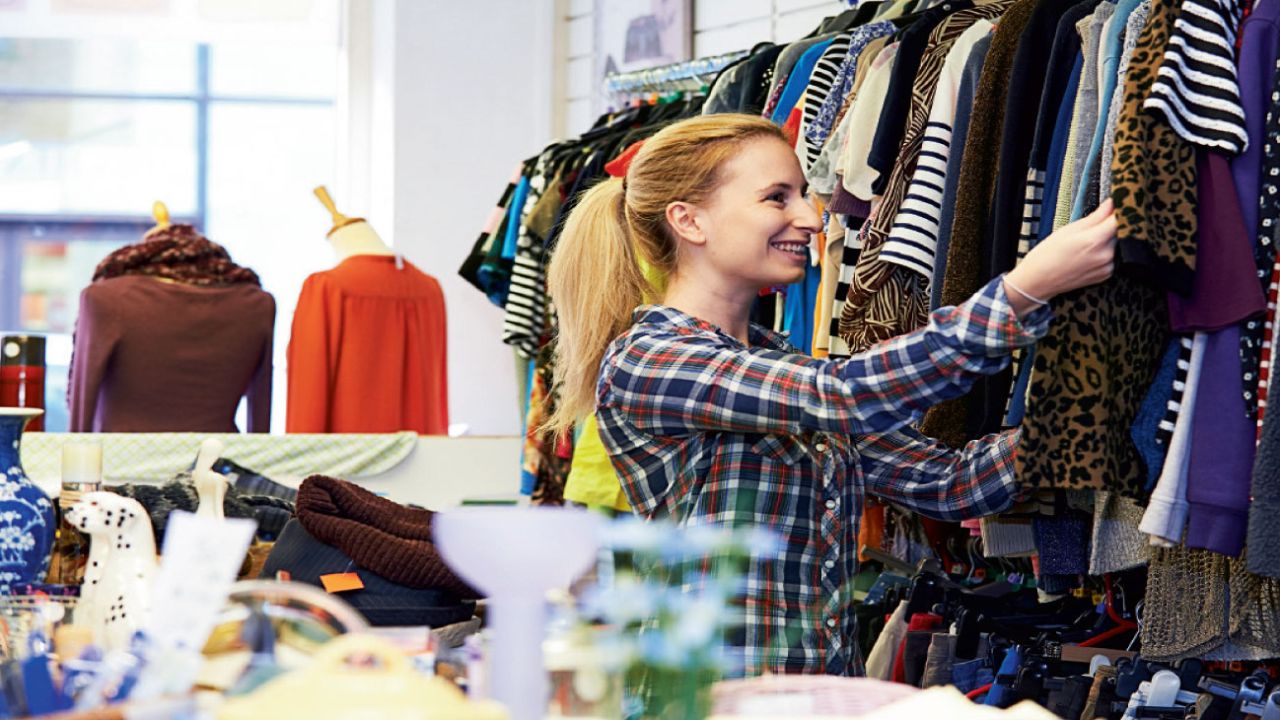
[[1077, 255]]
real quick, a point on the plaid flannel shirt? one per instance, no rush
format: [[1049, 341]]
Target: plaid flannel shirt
[[704, 430]]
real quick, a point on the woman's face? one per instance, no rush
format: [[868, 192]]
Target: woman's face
[[757, 224]]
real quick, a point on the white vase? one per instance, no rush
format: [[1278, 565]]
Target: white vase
[[514, 556]]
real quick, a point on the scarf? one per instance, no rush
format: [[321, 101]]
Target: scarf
[[179, 253]]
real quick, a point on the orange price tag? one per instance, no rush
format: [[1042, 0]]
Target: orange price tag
[[341, 582]]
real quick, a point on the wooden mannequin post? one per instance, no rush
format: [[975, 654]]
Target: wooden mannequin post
[[351, 236]]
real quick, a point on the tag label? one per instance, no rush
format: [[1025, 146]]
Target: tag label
[[341, 582]]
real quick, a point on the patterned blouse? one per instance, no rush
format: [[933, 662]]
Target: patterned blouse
[[705, 430]]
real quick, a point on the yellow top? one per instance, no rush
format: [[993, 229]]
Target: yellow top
[[592, 480]]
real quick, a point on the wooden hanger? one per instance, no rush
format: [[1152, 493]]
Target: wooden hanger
[[339, 220]]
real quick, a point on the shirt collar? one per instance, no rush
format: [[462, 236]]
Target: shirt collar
[[669, 317]]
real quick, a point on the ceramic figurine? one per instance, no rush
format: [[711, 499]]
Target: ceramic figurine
[[116, 595], [27, 521], [211, 487]]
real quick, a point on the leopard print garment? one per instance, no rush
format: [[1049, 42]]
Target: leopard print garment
[[1094, 366], [1153, 174], [871, 273]]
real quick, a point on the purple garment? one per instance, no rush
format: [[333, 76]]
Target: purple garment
[[843, 202], [1222, 450], [1258, 50], [1226, 289], [154, 356]]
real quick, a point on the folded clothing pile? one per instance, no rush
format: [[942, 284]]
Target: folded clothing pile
[[343, 528]]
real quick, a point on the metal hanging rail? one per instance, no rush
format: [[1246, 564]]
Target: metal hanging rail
[[688, 75]]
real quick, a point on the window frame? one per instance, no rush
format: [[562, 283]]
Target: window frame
[[17, 229]]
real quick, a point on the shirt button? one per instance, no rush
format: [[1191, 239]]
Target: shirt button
[[831, 622], [831, 504], [830, 564]]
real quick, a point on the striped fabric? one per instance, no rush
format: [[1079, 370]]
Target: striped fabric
[[853, 239], [526, 317], [706, 431], [1028, 233], [1032, 203], [913, 239], [1165, 432], [816, 92], [828, 114], [1196, 88], [875, 307], [1268, 346]]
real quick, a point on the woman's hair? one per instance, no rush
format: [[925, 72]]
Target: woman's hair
[[595, 278]]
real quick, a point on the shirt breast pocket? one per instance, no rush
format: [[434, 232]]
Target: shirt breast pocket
[[783, 448]]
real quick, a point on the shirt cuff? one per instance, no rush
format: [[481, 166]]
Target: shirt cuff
[[1019, 332]]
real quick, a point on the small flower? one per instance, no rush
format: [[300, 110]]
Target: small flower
[[13, 538]]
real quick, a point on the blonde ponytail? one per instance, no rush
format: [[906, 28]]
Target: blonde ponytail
[[596, 276], [596, 282]]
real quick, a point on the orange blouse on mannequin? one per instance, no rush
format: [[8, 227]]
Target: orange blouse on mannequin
[[368, 351]]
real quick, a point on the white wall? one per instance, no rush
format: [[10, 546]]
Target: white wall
[[720, 26], [444, 98]]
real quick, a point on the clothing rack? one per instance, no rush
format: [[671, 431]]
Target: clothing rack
[[689, 75]]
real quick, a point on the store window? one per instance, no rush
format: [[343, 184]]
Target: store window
[[231, 137]]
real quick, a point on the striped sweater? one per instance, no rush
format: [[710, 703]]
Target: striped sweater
[[1196, 87], [819, 87], [913, 238]]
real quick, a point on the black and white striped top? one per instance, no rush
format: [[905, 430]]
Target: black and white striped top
[[816, 91], [1196, 88]]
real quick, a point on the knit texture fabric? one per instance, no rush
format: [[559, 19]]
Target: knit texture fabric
[[392, 540], [1201, 604], [1117, 543], [160, 501], [1008, 537], [179, 253], [1264, 512], [1063, 543]]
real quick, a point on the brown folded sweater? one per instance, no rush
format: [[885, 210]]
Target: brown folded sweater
[[385, 537]]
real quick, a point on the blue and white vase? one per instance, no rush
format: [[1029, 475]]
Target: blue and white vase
[[27, 521]]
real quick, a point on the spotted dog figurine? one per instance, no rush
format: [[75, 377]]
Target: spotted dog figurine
[[116, 595]]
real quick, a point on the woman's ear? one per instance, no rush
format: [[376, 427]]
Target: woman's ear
[[685, 221]]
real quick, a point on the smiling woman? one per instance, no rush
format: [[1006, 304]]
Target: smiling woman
[[709, 419]]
